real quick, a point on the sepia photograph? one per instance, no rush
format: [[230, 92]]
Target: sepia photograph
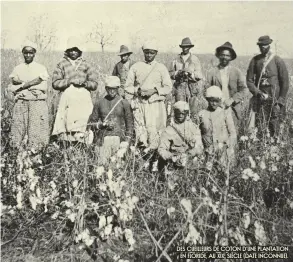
[[146, 131]]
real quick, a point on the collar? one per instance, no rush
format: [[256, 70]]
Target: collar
[[224, 67], [151, 63], [30, 64], [73, 62]]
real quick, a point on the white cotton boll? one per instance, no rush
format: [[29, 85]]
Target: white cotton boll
[[52, 184], [33, 201], [134, 199], [186, 203], [127, 194], [75, 183], [99, 172], [55, 215], [252, 162], [170, 210], [102, 187], [108, 230], [110, 174], [246, 220], [274, 168], [38, 192], [19, 198], [255, 177], [102, 221], [262, 165], [72, 217]]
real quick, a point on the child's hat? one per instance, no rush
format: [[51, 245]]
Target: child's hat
[[214, 91], [181, 106], [112, 82]]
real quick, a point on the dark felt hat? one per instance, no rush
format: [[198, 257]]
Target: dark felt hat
[[227, 46], [264, 40], [124, 50], [186, 42]]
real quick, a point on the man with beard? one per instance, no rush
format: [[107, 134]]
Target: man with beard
[[121, 68], [230, 80], [268, 81]]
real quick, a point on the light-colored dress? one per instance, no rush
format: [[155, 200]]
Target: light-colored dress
[[30, 120]]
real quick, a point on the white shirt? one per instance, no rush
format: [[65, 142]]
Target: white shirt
[[28, 72], [224, 72]]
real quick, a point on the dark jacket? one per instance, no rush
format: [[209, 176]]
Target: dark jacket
[[277, 75], [121, 117], [237, 87]]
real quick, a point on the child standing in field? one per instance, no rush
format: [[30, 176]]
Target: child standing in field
[[217, 127], [30, 120], [75, 79]]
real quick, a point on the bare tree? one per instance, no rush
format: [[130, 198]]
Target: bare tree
[[42, 32], [102, 34], [4, 35]]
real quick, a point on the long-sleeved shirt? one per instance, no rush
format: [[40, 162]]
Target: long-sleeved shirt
[[121, 117], [236, 82], [276, 74], [172, 143], [192, 63], [66, 70], [217, 127], [148, 76], [28, 72], [121, 70]]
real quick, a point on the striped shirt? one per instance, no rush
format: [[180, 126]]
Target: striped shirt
[[81, 70]]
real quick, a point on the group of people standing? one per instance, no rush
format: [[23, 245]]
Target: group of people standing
[[206, 110]]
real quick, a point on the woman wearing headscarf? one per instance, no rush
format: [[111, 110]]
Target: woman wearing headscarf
[[75, 79], [30, 120]]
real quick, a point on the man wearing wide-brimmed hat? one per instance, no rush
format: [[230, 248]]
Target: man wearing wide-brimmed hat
[[147, 85], [30, 117], [230, 80], [112, 121], [74, 78], [268, 81], [122, 67], [186, 70]]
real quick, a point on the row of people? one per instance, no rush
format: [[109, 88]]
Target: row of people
[[146, 85]]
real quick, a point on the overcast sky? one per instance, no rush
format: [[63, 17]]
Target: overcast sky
[[208, 24]]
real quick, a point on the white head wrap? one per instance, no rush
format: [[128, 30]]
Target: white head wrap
[[151, 45], [29, 43], [181, 106], [112, 81], [214, 91]]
